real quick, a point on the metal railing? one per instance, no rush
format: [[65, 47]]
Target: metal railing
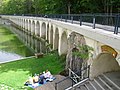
[[103, 21], [73, 79], [73, 76], [109, 22]]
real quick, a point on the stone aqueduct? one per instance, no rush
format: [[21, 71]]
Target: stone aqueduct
[[58, 34]]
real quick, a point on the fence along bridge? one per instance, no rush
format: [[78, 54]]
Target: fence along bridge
[[102, 37]]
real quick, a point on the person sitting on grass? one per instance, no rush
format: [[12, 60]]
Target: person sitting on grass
[[36, 79], [48, 76], [41, 78]]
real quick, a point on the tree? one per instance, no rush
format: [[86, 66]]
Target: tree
[[59, 6]]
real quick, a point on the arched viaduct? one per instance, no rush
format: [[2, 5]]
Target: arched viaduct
[[59, 35]]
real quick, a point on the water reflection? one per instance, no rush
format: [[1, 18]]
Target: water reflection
[[35, 44]]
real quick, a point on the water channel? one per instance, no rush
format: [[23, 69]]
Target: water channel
[[31, 44]]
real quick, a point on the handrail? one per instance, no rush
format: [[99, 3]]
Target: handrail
[[96, 20], [99, 20], [87, 68], [73, 75], [105, 21], [77, 84]]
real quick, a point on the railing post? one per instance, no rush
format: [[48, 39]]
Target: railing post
[[93, 21], [55, 86], [80, 20], [69, 72], [61, 18], [65, 18], [88, 71], [72, 83], [72, 19]]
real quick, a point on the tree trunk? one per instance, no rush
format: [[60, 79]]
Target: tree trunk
[[69, 6]]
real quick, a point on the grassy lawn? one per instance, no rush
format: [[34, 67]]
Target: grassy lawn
[[14, 74]]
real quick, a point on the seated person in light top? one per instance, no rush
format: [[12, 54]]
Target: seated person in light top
[[47, 74], [35, 79]]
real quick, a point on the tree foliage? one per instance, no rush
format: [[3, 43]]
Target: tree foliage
[[59, 6], [83, 52]]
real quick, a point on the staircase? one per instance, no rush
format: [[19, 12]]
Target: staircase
[[109, 81]]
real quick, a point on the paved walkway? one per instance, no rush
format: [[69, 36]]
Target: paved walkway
[[51, 85]]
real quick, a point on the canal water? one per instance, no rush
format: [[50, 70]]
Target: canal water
[[25, 44]]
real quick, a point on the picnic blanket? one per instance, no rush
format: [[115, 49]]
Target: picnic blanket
[[38, 84]]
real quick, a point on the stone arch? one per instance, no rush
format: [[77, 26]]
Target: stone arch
[[29, 29], [47, 32], [108, 49], [51, 35], [17, 21], [43, 30], [56, 39], [33, 28], [64, 43], [37, 30], [24, 23], [20, 22], [26, 26], [104, 62]]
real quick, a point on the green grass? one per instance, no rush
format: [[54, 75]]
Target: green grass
[[10, 43], [14, 74]]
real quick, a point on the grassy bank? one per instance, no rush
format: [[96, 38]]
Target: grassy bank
[[14, 74]]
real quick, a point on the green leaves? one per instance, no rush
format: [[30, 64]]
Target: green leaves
[[83, 51], [58, 6]]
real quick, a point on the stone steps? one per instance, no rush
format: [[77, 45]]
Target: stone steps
[[109, 81], [102, 82]]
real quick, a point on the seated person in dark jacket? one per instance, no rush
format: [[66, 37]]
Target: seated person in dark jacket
[[41, 79]]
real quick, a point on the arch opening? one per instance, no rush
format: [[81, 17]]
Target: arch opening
[[56, 39], [103, 63], [33, 28], [37, 30], [26, 25], [64, 42], [51, 35], [29, 29], [47, 32], [43, 30], [108, 49]]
